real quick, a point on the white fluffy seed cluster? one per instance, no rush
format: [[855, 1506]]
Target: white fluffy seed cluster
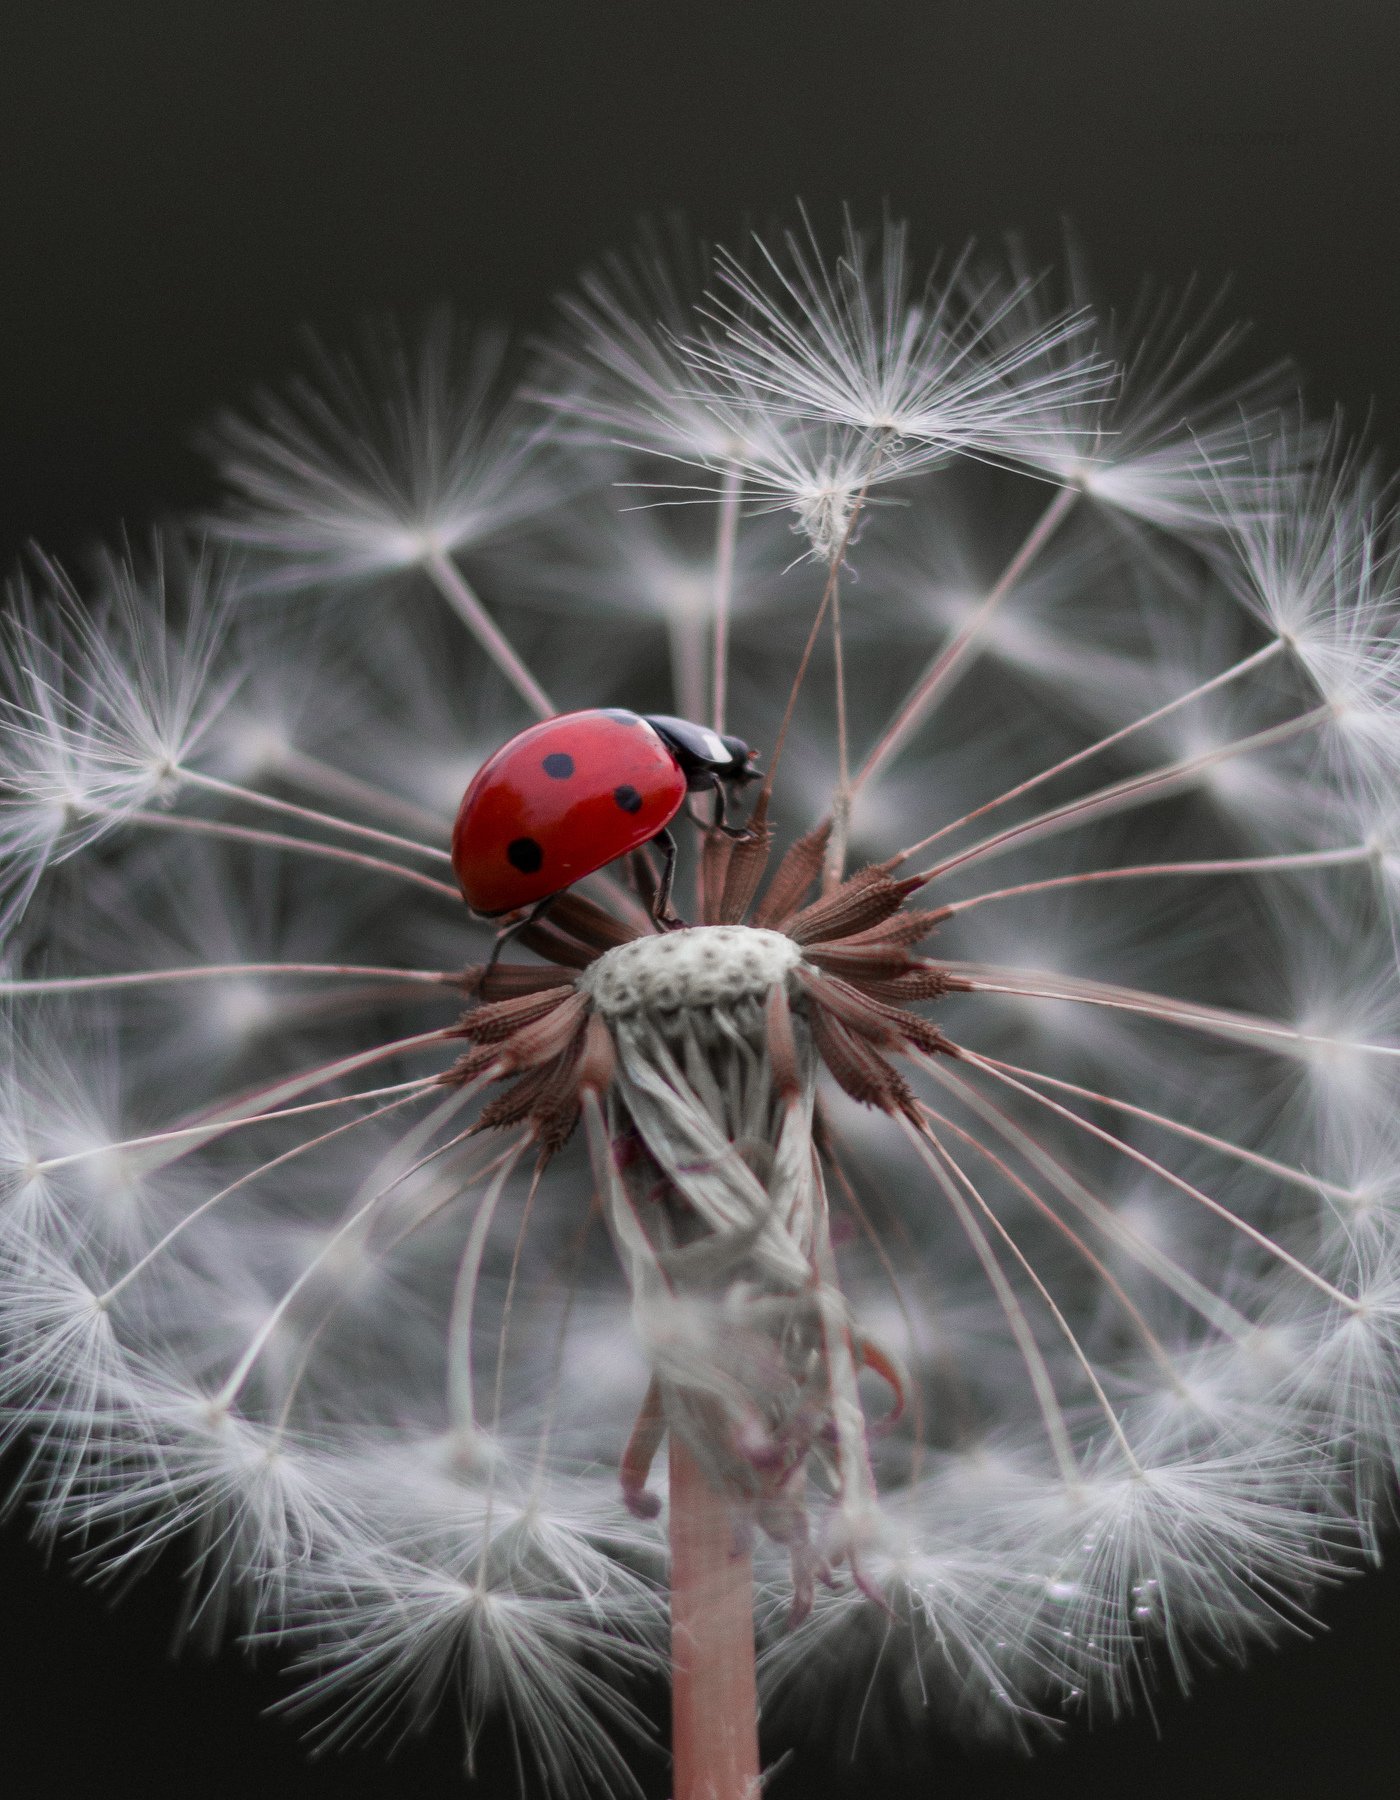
[[1119, 674]]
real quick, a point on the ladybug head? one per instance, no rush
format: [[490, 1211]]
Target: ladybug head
[[704, 756], [741, 761]]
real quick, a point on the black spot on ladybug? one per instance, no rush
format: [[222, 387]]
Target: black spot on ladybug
[[524, 854], [558, 766], [628, 798]]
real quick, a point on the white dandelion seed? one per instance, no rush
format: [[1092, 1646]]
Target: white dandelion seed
[[957, 363], [103, 703], [1180, 427], [1000, 1237], [408, 457]]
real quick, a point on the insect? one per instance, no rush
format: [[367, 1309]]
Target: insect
[[576, 792]]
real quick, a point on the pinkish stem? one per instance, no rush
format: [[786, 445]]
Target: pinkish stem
[[714, 1702]]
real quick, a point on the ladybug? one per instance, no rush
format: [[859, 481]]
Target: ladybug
[[576, 792]]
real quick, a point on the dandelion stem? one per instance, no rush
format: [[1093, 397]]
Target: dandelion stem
[[512, 1282], [915, 709], [1226, 1319], [310, 815], [1217, 1021], [686, 633], [568, 1269], [337, 784], [461, 1399], [1135, 790], [419, 1089], [841, 800], [215, 1126], [1151, 1341], [1255, 1236], [81, 984], [927, 1148], [278, 840], [457, 591], [1052, 1306], [354, 1220], [1238, 865], [1233, 673], [714, 1703], [726, 536], [1284, 1171], [828, 593]]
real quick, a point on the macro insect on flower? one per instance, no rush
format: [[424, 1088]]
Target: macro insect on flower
[[962, 1260], [565, 798]]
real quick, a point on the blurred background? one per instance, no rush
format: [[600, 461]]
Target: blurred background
[[184, 186]]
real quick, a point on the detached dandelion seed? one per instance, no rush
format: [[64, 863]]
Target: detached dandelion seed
[[953, 1262]]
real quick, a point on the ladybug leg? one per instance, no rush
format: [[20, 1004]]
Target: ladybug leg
[[661, 900], [503, 937], [717, 821]]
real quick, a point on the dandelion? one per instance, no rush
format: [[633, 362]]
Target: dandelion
[[960, 1266]]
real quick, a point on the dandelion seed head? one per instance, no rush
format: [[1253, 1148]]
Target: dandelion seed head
[[856, 342], [378, 463], [989, 1187], [1175, 437], [102, 705]]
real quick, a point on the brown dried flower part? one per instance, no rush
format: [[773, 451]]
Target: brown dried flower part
[[693, 1055], [855, 982]]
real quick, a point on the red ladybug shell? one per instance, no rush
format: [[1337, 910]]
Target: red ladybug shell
[[559, 801]]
